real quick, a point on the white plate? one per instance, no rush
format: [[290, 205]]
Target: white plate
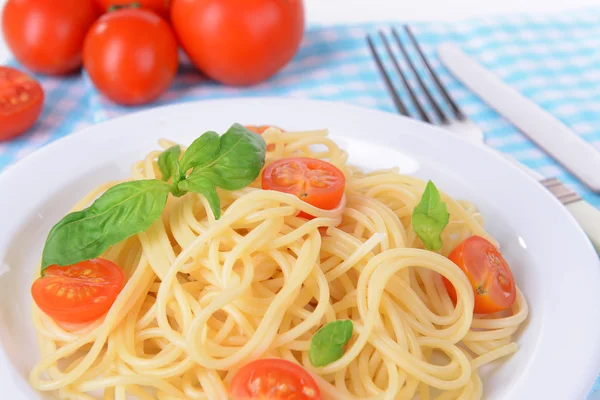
[[553, 262]]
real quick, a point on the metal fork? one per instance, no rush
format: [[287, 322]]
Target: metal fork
[[448, 116]]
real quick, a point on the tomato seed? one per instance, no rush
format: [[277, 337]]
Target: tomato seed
[[310, 392], [100, 299], [281, 389], [23, 97]]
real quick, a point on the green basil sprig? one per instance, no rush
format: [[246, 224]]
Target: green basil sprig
[[430, 217], [231, 161], [327, 345], [168, 162]]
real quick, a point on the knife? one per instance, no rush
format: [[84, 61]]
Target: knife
[[504, 99], [574, 153]]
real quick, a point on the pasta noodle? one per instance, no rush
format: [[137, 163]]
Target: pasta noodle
[[204, 296]]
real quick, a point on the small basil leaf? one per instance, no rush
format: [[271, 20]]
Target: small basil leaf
[[327, 345], [123, 210], [240, 160], [201, 152], [203, 186], [430, 217], [168, 162]]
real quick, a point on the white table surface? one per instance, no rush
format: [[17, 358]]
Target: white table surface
[[345, 11]]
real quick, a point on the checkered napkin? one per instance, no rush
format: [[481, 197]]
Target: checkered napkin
[[553, 59]]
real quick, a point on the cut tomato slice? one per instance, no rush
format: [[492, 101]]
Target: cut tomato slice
[[78, 293], [315, 181], [273, 379], [260, 129], [21, 102], [490, 276]]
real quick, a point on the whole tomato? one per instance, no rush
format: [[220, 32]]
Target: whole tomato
[[239, 42], [131, 55], [21, 102], [161, 7], [47, 36]]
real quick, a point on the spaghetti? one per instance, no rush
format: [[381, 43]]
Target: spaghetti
[[205, 296]]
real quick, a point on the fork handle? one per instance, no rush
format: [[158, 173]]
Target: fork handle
[[589, 219]]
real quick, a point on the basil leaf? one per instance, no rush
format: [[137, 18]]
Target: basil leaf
[[327, 345], [241, 157], [430, 217], [201, 152], [203, 186], [123, 210], [168, 163]]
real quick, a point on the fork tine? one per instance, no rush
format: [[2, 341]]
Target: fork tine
[[388, 82], [438, 111], [407, 86], [455, 109]]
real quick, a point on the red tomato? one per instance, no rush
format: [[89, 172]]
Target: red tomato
[[488, 272], [239, 42], [260, 129], [273, 379], [47, 36], [161, 7], [131, 56], [21, 102], [317, 182], [79, 293]]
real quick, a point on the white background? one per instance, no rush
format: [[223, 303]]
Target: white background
[[344, 11]]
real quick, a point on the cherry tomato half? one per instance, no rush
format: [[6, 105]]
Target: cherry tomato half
[[161, 7], [78, 293], [273, 379], [47, 36], [488, 272], [317, 182], [131, 55], [260, 129], [21, 102], [239, 42]]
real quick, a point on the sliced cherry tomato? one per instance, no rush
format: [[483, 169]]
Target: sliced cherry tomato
[[21, 102], [131, 55], [488, 272], [273, 379], [260, 129], [47, 36], [317, 182], [78, 293]]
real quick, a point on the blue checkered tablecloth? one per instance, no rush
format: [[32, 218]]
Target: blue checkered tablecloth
[[552, 59]]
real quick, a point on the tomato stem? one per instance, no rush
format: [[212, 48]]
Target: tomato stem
[[116, 7]]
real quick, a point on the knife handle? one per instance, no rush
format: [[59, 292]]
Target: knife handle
[[561, 143], [589, 219]]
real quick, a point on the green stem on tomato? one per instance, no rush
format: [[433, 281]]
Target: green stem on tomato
[[116, 7]]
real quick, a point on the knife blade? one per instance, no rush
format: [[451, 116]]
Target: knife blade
[[586, 215], [574, 153]]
